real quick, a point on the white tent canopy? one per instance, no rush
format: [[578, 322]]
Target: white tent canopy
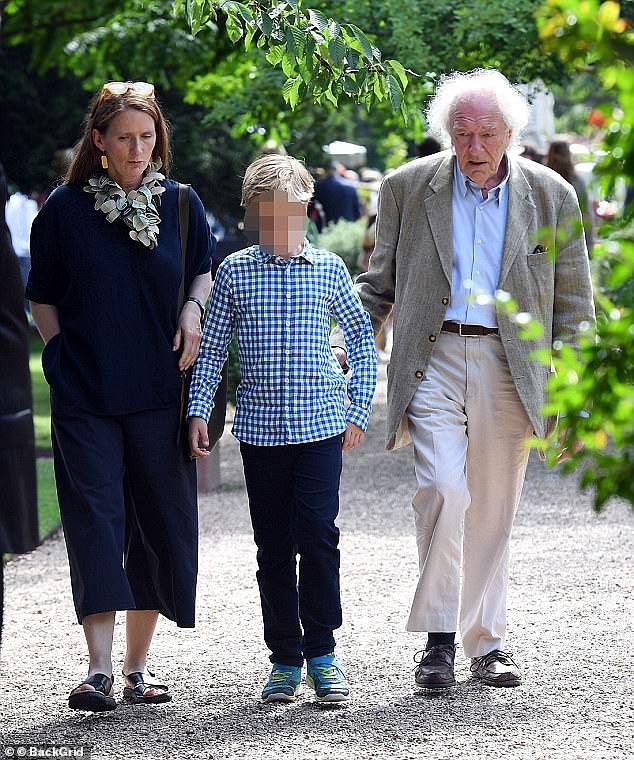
[[348, 153]]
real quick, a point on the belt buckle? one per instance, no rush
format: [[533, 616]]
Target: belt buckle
[[460, 330]]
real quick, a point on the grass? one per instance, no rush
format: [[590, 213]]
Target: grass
[[41, 403], [47, 506]]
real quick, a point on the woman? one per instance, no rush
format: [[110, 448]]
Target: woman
[[559, 159], [18, 513], [104, 290]]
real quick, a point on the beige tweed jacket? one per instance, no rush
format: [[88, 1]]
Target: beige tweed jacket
[[410, 270]]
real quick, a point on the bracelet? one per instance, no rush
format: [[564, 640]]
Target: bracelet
[[199, 304]]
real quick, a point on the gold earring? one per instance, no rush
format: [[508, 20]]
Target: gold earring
[[104, 161]]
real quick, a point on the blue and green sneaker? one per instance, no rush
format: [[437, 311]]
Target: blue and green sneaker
[[325, 676], [284, 684]]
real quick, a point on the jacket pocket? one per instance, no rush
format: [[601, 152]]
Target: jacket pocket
[[535, 259]]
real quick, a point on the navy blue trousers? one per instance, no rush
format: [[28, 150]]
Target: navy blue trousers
[[294, 500], [127, 497]]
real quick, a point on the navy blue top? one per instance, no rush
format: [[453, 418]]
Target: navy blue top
[[117, 300], [339, 198]]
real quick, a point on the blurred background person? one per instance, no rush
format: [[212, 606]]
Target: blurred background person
[[19, 215], [529, 151], [428, 147], [337, 195], [18, 504], [559, 159]]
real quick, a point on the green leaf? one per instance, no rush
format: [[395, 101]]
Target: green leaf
[[378, 85], [337, 51], [275, 54], [248, 40], [394, 90], [245, 13], [265, 22], [306, 69], [290, 91], [288, 65], [194, 11], [350, 87], [234, 28], [296, 40], [366, 46], [317, 20], [330, 95], [333, 29], [399, 70], [353, 58]]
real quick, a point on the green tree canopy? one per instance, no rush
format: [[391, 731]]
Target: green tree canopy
[[248, 63]]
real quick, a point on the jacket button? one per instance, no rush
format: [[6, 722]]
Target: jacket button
[[432, 338], [445, 300], [418, 374]]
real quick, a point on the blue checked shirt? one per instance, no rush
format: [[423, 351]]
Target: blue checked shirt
[[292, 388]]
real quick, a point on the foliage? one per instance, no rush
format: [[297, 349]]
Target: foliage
[[599, 376], [344, 238], [234, 99], [38, 115], [322, 58]]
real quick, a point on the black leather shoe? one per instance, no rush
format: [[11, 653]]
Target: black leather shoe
[[496, 669], [435, 668]]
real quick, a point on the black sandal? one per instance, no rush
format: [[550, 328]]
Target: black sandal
[[99, 700], [136, 686]]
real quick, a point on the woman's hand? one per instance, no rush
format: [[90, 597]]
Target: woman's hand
[[188, 335], [198, 437]]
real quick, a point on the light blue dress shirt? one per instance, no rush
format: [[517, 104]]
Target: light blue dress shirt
[[478, 231], [291, 388]]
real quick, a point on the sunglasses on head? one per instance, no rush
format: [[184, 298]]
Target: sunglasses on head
[[144, 89]]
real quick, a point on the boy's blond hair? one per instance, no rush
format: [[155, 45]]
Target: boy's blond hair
[[274, 172]]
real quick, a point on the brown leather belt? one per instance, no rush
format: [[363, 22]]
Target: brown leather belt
[[469, 330]]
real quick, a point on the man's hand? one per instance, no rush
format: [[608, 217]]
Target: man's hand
[[353, 436], [188, 334], [198, 437]]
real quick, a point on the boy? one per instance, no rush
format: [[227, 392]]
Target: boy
[[279, 296]]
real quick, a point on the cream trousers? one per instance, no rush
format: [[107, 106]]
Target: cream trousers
[[469, 430]]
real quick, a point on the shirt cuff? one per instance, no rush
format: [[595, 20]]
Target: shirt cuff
[[358, 415], [200, 409]]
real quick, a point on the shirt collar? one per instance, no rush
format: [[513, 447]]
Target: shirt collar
[[263, 257], [464, 185]]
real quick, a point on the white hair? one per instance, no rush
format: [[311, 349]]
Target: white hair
[[513, 106]]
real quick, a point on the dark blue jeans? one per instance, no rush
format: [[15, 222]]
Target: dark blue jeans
[[294, 500]]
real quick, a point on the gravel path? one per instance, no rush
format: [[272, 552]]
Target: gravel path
[[570, 612]]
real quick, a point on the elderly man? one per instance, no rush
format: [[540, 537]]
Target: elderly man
[[454, 228]]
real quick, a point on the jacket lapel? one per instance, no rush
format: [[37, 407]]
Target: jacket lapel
[[517, 218], [438, 206]]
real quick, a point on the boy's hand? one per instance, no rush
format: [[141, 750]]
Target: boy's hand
[[198, 437], [353, 436]]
